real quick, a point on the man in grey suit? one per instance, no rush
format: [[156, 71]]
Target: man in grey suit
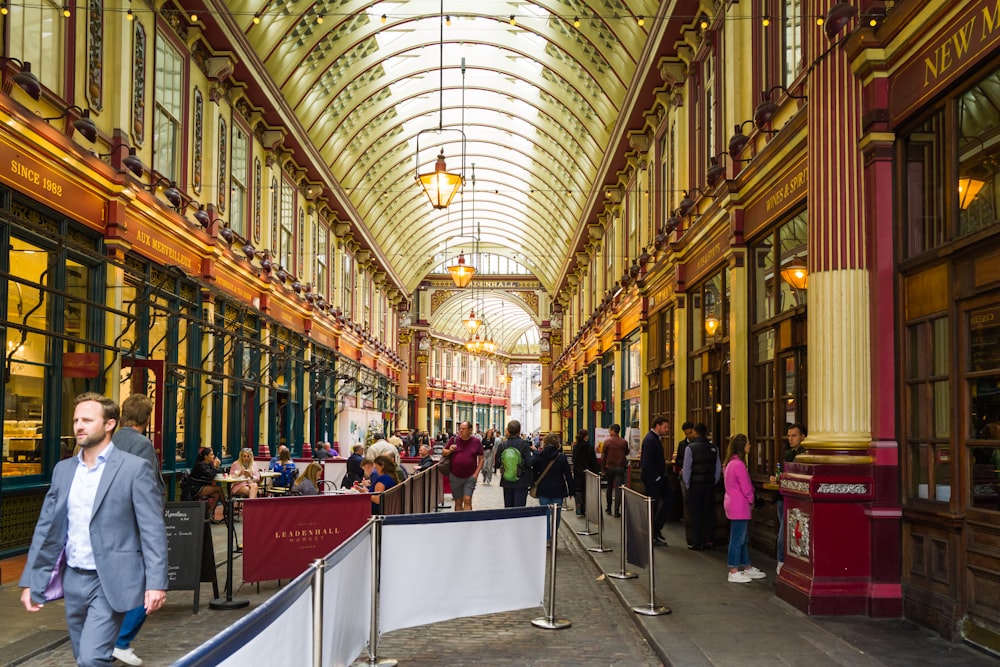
[[102, 512], [136, 411]]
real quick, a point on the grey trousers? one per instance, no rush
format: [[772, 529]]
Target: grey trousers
[[93, 625]]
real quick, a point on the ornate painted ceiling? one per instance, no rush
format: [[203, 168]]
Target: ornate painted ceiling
[[530, 97]]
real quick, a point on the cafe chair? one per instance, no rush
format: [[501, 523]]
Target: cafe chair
[[327, 486]]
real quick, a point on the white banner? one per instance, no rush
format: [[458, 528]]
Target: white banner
[[469, 566], [294, 628], [347, 603], [600, 435]]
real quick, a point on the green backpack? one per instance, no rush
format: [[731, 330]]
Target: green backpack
[[512, 463]]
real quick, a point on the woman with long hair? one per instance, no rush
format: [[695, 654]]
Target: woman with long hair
[[384, 478], [203, 475], [553, 477], [244, 468], [307, 483], [738, 503]]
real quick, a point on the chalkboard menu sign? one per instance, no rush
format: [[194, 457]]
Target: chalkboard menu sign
[[190, 554]]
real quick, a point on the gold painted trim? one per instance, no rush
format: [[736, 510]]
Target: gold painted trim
[[836, 459]]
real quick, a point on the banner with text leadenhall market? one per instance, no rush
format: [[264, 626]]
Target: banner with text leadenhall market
[[282, 536]]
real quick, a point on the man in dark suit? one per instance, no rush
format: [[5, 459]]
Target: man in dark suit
[[702, 471], [653, 464], [102, 511], [136, 411]]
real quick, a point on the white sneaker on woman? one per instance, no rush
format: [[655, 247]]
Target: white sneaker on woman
[[738, 578], [754, 573]]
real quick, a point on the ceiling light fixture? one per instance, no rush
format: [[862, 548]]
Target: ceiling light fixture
[[440, 185], [796, 273]]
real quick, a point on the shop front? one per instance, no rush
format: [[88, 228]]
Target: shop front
[[946, 119]]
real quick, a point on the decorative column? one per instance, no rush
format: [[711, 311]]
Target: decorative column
[[830, 490], [423, 421], [545, 423]]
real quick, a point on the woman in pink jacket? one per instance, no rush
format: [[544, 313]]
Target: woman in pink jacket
[[738, 502]]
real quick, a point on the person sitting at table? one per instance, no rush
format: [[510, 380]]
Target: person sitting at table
[[286, 469], [277, 455], [355, 473], [426, 460], [203, 475], [322, 451], [307, 484], [383, 473], [244, 468]]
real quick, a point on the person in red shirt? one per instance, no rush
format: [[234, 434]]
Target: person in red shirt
[[614, 461], [466, 453]]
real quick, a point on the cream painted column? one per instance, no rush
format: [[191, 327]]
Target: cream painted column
[[115, 299], [739, 335], [205, 406], [681, 413], [839, 329]]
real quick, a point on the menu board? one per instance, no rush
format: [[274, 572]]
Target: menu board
[[190, 553]]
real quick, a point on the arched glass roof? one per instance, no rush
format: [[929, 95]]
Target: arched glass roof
[[528, 96], [527, 92]]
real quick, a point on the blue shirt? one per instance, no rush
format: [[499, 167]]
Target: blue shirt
[[80, 507]]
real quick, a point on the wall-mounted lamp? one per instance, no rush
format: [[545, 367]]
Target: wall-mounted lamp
[[84, 124], [837, 17], [968, 189], [716, 172], [739, 140], [765, 111], [130, 161], [202, 217], [796, 273], [25, 79]]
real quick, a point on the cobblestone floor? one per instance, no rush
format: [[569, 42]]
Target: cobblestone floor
[[602, 631]]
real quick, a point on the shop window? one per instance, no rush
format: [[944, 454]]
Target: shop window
[[983, 381], [979, 155], [779, 276], [927, 397], [347, 285], [634, 367], [924, 201], [168, 109]]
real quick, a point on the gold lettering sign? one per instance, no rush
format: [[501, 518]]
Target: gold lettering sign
[[31, 176], [159, 250], [227, 283], [966, 40], [787, 190]]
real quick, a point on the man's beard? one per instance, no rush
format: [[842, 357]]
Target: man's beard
[[91, 440]]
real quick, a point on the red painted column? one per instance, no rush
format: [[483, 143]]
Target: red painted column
[[842, 520]]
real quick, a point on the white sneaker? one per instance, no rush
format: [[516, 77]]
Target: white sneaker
[[754, 573], [777, 570], [126, 655], [738, 578]]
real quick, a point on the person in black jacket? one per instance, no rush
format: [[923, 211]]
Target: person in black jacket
[[515, 491], [553, 475], [702, 470], [584, 459], [653, 463]]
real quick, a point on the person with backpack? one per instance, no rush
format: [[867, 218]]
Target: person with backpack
[[513, 460]]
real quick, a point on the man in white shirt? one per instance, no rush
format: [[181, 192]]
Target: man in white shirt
[[102, 511]]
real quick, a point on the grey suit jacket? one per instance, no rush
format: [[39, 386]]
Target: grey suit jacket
[[127, 439], [127, 532]]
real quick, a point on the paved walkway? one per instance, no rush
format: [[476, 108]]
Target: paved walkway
[[713, 622]]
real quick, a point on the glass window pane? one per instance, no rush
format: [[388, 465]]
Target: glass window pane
[[942, 473], [942, 409], [985, 462], [924, 199], [918, 471], [792, 256], [942, 346], [764, 281], [984, 339], [978, 152]]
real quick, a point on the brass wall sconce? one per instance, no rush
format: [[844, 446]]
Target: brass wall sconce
[[84, 124], [131, 162], [765, 111], [739, 140], [839, 15], [25, 78]]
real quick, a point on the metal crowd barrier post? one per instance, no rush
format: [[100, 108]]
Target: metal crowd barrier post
[[317, 616], [623, 573], [373, 659], [549, 621], [651, 609], [593, 502]]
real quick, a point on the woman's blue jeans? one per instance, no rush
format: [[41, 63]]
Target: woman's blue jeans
[[548, 525], [739, 535]]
